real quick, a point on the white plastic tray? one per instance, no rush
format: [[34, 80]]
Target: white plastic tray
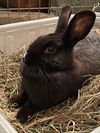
[[17, 35], [97, 130], [5, 126]]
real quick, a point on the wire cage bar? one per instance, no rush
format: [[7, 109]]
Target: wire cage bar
[[24, 10]]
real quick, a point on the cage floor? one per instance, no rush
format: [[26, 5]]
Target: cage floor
[[13, 17]]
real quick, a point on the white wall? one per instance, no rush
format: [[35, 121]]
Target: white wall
[[15, 36]]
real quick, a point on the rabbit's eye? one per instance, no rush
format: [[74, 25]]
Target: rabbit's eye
[[50, 50]]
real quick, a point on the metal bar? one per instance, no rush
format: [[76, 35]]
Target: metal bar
[[41, 8], [49, 6], [8, 8], [29, 9], [57, 9], [19, 8]]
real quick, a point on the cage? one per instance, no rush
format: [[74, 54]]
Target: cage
[[23, 3], [17, 35], [24, 10]]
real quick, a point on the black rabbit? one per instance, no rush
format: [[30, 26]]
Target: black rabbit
[[53, 68]]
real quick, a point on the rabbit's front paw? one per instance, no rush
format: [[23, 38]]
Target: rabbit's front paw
[[19, 99], [21, 116]]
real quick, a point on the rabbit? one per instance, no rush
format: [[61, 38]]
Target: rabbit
[[54, 67]]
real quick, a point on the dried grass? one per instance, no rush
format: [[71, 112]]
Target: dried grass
[[80, 116]]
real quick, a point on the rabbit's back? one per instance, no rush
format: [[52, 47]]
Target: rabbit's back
[[88, 52]]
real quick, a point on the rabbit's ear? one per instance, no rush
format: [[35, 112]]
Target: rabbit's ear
[[63, 19], [79, 27]]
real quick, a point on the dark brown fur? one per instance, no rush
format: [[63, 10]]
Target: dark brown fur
[[54, 67]]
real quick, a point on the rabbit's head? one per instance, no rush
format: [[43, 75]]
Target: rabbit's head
[[54, 52]]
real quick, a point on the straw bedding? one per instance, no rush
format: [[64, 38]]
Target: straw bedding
[[81, 115]]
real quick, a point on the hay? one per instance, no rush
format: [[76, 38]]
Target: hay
[[82, 115]]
